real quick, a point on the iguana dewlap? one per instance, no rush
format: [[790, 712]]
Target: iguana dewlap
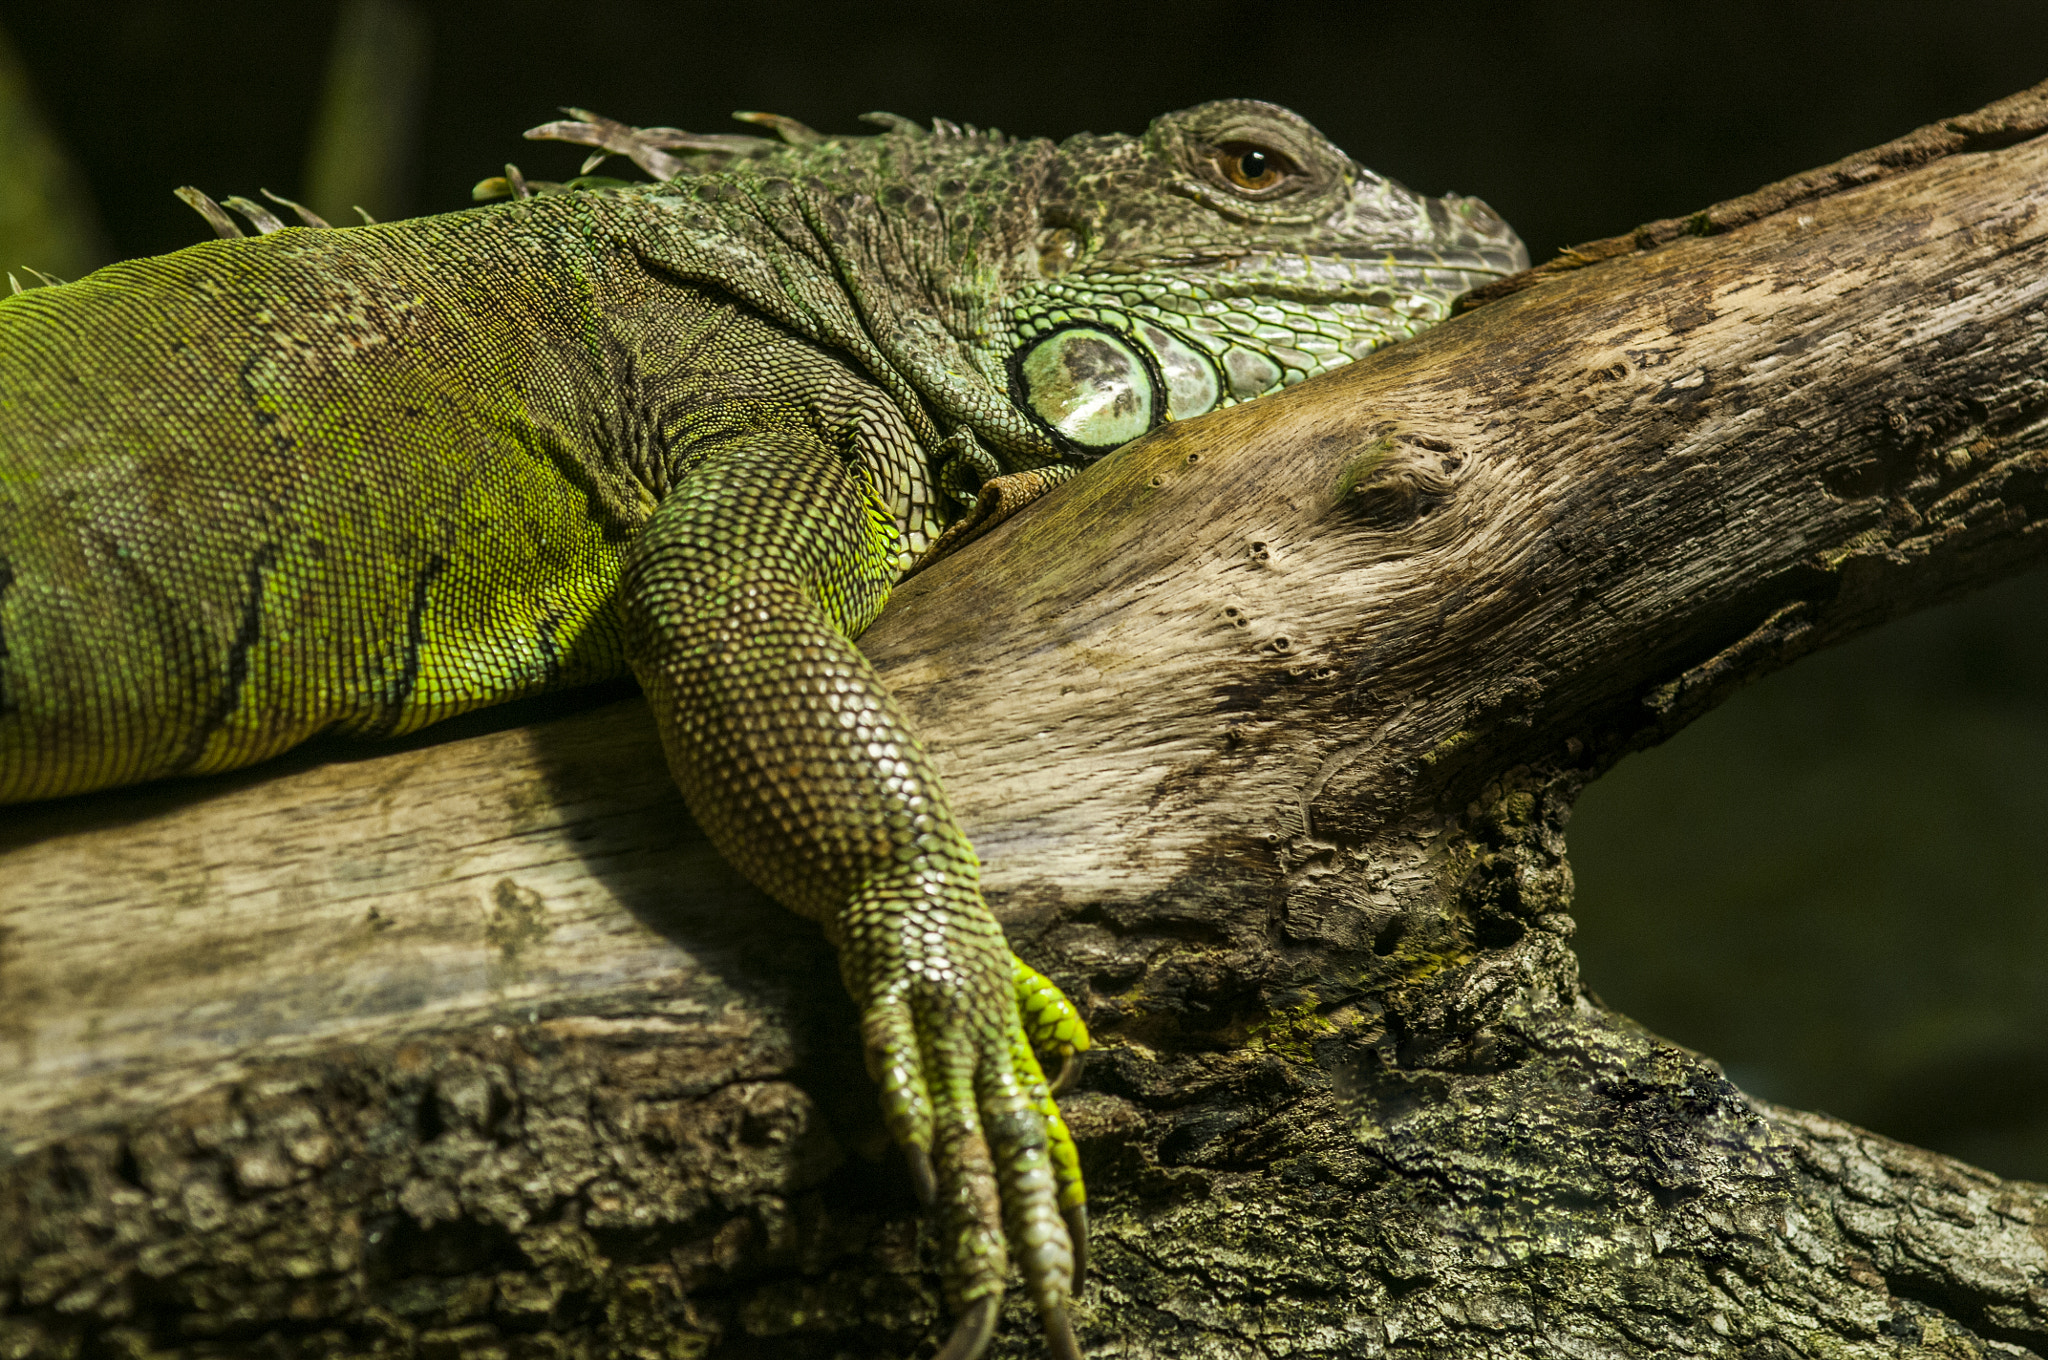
[[360, 480]]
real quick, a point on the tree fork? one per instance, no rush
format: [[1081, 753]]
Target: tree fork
[[1267, 729]]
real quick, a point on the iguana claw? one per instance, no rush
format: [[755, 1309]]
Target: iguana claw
[[922, 1178], [1059, 1336], [1077, 1233], [1070, 1070], [948, 1042], [972, 1332]]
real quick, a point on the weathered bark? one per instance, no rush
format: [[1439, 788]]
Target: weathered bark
[[1268, 729]]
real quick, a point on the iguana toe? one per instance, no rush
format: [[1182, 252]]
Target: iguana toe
[[1049, 1018], [1053, 1024], [889, 1034]]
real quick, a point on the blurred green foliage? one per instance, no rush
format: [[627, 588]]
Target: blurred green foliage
[[46, 217], [366, 135]]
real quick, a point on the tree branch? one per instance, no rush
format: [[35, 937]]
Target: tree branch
[[1267, 729]]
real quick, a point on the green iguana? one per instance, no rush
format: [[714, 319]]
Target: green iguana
[[358, 480]]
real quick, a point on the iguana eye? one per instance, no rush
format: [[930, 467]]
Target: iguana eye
[[1253, 168]]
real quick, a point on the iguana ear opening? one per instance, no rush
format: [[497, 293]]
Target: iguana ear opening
[[1058, 249]]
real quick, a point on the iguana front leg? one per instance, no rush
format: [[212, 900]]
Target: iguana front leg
[[742, 595]]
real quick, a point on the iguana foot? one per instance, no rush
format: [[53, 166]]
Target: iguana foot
[[964, 1095]]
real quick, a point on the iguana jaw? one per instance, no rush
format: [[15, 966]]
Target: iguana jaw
[[1100, 358]]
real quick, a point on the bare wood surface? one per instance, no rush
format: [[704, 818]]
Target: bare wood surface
[[1267, 729]]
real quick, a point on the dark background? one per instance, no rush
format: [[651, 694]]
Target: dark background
[[1838, 884]]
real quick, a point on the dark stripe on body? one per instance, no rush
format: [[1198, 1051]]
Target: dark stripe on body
[[551, 650], [7, 705], [415, 638], [246, 637]]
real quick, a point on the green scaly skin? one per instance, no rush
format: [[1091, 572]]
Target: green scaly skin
[[356, 481]]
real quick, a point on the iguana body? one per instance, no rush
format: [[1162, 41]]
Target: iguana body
[[357, 481]]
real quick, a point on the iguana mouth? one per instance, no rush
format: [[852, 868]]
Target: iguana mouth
[[1408, 279], [1498, 261], [1360, 274], [1206, 260]]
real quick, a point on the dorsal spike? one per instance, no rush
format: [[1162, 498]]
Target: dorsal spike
[[223, 225], [647, 148], [789, 129], [642, 146], [893, 122], [306, 214], [263, 219]]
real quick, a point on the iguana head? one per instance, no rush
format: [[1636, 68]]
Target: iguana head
[[1230, 251], [1061, 300]]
